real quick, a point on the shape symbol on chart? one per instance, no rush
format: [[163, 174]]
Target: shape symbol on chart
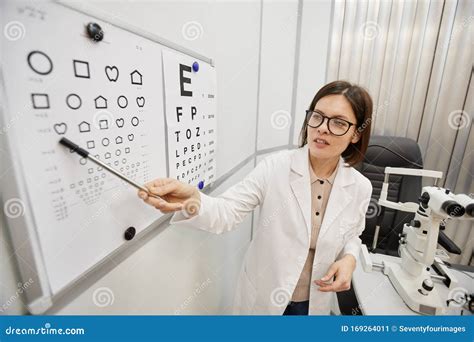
[[105, 141], [73, 101], [90, 144], [60, 128], [140, 101], [136, 77], [127, 149], [135, 121], [108, 155], [122, 101], [104, 124], [131, 137], [119, 140], [112, 73], [40, 101], [100, 102], [120, 122], [81, 68], [84, 127], [40, 63]]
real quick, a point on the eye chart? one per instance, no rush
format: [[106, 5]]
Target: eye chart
[[191, 117], [108, 96]]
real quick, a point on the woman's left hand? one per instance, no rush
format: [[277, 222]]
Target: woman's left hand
[[342, 271]]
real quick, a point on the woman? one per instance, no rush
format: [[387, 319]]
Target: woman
[[312, 209]]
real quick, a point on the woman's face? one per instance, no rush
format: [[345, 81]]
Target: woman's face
[[324, 145]]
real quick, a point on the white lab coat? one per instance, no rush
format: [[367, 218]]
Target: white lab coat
[[280, 184]]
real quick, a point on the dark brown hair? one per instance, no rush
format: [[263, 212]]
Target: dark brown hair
[[361, 104]]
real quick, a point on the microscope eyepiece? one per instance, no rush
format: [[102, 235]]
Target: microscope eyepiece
[[467, 202], [453, 209], [470, 209]]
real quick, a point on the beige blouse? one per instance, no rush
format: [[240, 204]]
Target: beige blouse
[[320, 190]]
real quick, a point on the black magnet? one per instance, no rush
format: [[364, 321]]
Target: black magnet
[[130, 233], [94, 31]]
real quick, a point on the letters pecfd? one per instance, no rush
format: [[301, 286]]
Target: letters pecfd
[[186, 155]]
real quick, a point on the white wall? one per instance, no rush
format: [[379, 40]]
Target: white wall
[[279, 27], [186, 271], [312, 57]]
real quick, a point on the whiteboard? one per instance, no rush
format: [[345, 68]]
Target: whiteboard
[[108, 97]]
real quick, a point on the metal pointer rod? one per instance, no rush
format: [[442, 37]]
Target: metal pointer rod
[[85, 154]]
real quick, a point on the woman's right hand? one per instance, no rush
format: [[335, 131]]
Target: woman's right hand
[[175, 196]]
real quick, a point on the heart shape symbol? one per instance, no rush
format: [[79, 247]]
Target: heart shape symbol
[[112, 73], [120, 122], [131, 137], [140, 101], [60, 128]]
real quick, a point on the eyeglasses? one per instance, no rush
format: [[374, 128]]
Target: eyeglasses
[[336, 126]]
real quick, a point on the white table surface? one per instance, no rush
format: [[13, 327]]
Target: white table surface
[[377, 296]]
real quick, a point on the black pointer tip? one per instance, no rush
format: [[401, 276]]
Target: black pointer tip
[[73, 147]]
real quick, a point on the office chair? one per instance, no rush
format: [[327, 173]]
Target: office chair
[[395, 152]]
